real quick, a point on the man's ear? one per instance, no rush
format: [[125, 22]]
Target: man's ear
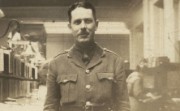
[[97, 23], [69, 25]]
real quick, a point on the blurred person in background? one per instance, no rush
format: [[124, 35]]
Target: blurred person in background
[[140, 98], [11, 34]]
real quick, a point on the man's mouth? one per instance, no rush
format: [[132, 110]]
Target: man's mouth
[[84, 34]]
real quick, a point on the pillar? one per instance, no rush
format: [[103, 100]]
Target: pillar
[[169, 30]]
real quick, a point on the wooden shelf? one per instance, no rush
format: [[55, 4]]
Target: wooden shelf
[[2, 75]]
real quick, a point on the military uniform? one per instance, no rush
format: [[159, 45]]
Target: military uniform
[[98, 86]]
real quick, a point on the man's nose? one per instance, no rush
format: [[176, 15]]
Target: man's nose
[[83, 25]]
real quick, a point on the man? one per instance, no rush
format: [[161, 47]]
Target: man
[[14, 30], [86, 77], [1, 13]]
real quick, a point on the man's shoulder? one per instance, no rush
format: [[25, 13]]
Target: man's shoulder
[[110, 52], [63, 53]]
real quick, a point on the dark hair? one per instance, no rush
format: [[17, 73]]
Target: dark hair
[[84, 4], [14, 22], [138, 68]]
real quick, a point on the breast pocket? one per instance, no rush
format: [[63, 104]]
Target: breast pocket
[[105, 82], [68, 88], [105, 76]]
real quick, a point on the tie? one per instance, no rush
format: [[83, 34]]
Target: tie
[[85, 59]]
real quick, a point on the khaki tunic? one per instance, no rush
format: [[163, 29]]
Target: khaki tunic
[[71, 83]]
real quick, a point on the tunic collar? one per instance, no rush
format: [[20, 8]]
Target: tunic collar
[[76, 56]]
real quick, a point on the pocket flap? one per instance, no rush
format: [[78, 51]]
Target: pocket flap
[[67, 78], [109, 76]]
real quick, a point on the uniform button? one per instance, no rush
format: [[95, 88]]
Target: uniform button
[[110, 78], [109, 109], [87, 71], [88, 86], [88, 103], [65, 80]]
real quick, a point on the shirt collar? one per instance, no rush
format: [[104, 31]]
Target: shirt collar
[[98, 51]]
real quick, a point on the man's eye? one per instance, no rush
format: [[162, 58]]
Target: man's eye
[[88, 21], [77, 22]]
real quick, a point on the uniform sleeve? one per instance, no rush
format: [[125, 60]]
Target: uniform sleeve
[[52, 102], [120, 97]]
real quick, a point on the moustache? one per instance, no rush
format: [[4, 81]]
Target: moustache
[[83, 33]]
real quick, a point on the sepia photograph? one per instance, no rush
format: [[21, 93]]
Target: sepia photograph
[[89, 55]]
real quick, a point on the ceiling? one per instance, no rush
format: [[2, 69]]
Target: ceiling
[[116, 10], [37, 3]]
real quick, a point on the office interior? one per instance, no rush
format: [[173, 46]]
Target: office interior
[[134, 29]]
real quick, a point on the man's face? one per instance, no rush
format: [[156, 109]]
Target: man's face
[[14, 27], [83, 25]]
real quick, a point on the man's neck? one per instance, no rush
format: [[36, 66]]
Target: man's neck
[[85, 47]]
